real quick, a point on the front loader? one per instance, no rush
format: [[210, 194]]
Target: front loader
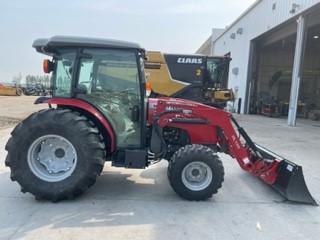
[[99, 111]]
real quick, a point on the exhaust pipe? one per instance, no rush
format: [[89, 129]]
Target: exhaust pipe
[[290, 181]]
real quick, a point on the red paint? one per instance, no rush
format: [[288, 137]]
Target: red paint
[[218, 121]]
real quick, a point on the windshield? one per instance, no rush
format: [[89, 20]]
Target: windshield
[[214, 70]]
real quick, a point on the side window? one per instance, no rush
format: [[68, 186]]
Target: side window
[[85, 79], [118, 76], [63, 74]]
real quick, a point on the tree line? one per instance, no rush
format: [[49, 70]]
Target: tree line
[[33, 80]]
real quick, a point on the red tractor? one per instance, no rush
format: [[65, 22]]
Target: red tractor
[[99, 111]]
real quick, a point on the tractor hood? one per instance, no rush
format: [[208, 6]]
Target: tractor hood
[[169, 104]]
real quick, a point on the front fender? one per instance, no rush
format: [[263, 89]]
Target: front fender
[[84, 106]]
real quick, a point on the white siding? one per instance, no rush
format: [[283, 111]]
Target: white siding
[[257, 20]]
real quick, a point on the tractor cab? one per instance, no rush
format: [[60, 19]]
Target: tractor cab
[[106, 74]]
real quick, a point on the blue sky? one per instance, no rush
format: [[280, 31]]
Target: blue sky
[[177, 26]]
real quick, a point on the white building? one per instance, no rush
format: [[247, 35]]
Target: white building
[[275, 51]]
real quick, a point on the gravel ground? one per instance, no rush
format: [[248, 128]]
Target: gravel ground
[[15, 108]]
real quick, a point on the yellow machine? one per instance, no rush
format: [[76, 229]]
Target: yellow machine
[[10, 91], [196, 77]]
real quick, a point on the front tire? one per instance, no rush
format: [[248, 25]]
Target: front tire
[[195, 172], [55, 154]]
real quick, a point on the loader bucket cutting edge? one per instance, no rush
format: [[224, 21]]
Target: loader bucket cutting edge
[[290, 181]]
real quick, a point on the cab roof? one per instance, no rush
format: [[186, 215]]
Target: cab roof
[[47, 45]]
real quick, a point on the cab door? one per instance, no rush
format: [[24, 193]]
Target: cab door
[[109, 80]]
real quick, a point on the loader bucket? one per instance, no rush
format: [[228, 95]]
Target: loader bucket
[[290, 181]]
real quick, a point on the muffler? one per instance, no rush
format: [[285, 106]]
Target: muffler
[[290, 181]]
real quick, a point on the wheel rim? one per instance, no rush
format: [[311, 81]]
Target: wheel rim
[[196, 176], [52, 158]]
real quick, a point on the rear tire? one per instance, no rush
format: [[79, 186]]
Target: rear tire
[[55, 154], [195, 172]]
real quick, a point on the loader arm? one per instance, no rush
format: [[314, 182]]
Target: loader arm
[[214, 126], [205, 121]]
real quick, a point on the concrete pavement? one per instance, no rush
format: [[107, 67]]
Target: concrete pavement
[[140, 204]]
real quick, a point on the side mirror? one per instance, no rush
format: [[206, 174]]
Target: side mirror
[[47, 66], [135, 113]]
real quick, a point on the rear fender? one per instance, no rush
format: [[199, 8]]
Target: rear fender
[[84, 106]]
